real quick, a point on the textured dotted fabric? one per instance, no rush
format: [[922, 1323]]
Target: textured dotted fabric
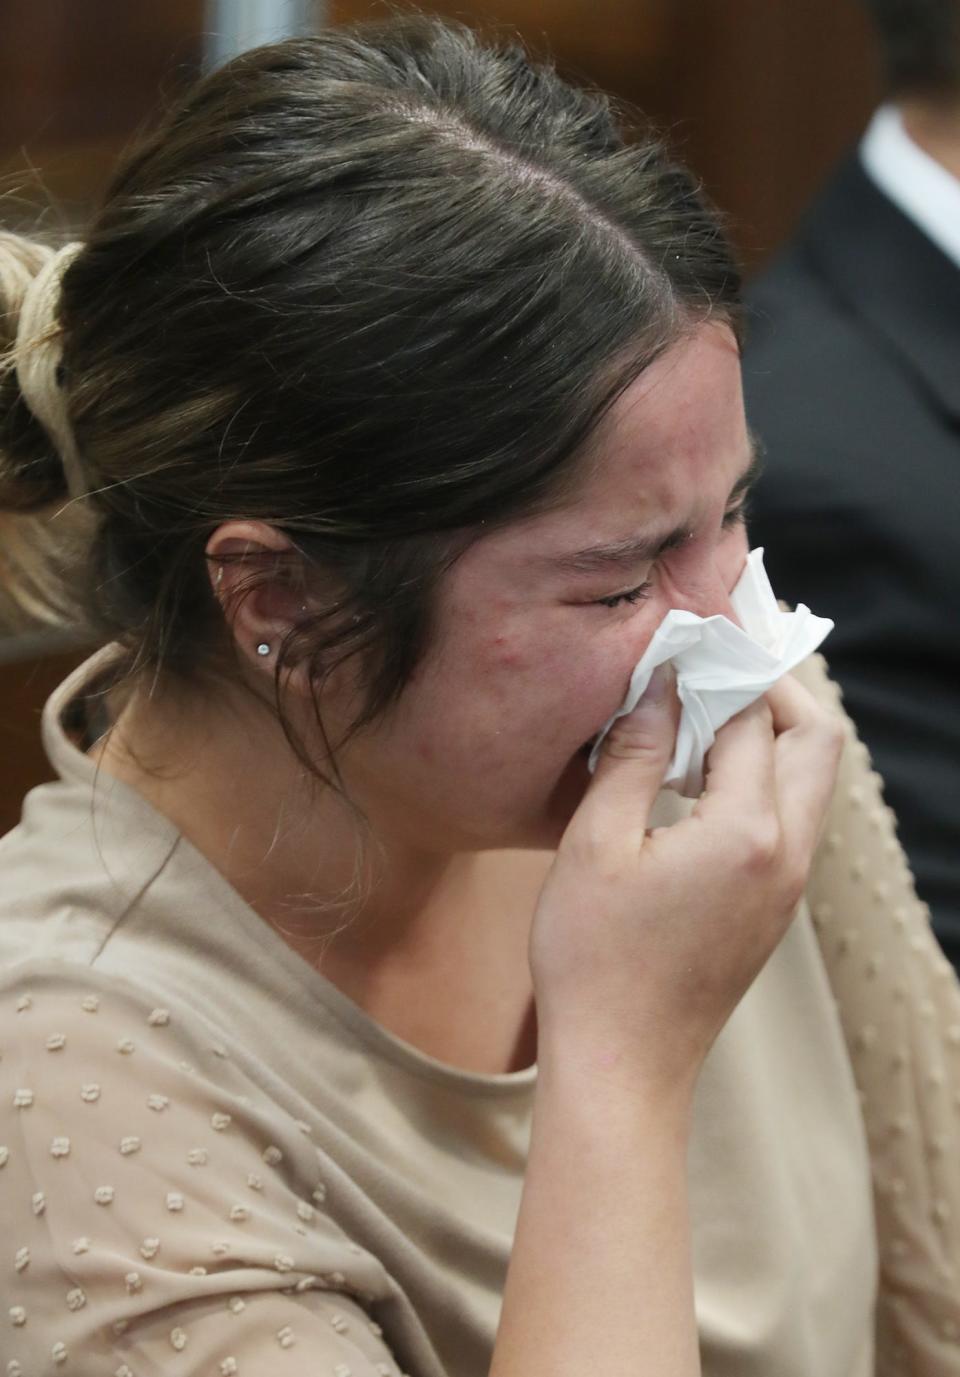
[[899, 1003], [151, 1221], [213, 1162]]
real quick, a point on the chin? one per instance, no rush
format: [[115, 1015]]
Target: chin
[[538, 829]]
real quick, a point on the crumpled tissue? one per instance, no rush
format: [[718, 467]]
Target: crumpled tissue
[[721, 668]]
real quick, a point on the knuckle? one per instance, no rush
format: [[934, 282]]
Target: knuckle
[[760, 845], [633, 743], [827, 724], [590, 846], [604, 871]]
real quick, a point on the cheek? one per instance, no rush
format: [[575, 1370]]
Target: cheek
[[424, 750], [613, 671], [506, 654], [515, 700], [519, 685], [489, 643], [476, 701], [550, 698]]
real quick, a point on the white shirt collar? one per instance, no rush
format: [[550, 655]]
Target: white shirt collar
[[916, 183]]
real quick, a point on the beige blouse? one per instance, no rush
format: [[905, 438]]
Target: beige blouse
[[213, 1162]]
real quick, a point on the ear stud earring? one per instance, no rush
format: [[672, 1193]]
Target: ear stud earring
[[263, 648]]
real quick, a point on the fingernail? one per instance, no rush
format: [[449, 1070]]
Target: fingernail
[[659, 687]]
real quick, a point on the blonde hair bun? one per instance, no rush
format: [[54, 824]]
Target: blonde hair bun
[[38, 461]]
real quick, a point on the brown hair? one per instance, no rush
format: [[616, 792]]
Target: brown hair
[[375, 287]]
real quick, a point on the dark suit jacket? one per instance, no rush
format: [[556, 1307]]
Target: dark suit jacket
[[852, 379]]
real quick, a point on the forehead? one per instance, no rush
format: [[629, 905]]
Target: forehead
[[675, 425], [671, 447]]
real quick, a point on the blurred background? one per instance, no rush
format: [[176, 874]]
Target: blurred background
[[760, 97]]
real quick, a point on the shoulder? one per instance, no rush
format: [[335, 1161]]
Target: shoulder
[[76, 864], [59, 1004], [145, 1105], [147, 1178], [114, 1059]]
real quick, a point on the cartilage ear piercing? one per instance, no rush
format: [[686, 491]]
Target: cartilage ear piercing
[[263, 648]]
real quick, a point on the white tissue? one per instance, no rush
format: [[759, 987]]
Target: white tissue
[[721, 668]]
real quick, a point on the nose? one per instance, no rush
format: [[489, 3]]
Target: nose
[[706, 595], [716, 602]]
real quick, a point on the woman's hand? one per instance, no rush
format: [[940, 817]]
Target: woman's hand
[[643, 942]]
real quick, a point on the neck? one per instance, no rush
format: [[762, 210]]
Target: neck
[[934, 126], [433, 947]]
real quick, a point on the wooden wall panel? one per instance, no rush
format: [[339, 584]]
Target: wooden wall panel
[[77, 79], [765, 96], [759, 96], [25, 685]]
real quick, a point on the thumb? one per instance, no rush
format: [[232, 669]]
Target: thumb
[[633, 761]]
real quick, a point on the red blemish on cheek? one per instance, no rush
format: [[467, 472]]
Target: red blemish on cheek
[[424, 751], [505, 654]]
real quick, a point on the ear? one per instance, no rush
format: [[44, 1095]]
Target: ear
[[261, 616]]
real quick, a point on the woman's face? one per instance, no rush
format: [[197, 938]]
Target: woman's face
[[535, 650]]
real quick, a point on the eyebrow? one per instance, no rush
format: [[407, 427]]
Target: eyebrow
[[623, 554]]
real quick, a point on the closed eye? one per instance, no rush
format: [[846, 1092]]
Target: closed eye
[[735, 516], [632, 596]]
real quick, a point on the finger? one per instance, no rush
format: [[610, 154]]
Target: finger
[[633, 761], [807, 752], [790, 703], [740, 776]]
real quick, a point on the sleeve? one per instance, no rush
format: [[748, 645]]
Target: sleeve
[[156, 1220], [899, 1003]]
